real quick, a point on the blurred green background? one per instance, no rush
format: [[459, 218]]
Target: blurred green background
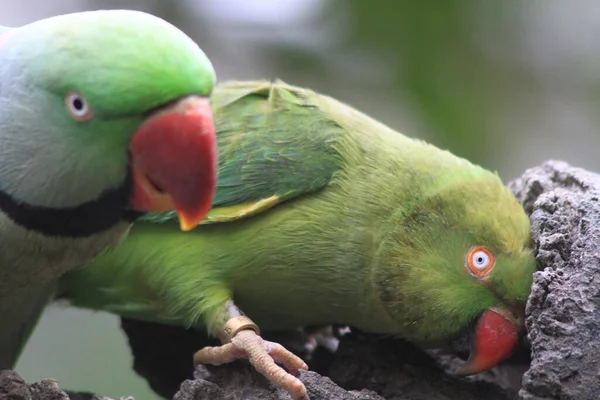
[[506, 84]]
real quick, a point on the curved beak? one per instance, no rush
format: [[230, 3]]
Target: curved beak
[[174, 161], [495, 338]]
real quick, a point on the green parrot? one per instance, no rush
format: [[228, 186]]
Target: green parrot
[[323, 215], [104, 116]]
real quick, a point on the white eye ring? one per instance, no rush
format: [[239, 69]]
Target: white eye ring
[[480, 260], [78, 107]]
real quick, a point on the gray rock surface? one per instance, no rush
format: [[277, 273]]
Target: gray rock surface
[[13, 387], [364, 367], [239, 381], [563, 310]]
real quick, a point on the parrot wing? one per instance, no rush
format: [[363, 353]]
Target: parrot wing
[[274, 145]]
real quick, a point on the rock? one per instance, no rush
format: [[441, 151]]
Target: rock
[[240, 382], [398, 370], [563, 310], [13, 387], [365, 367]]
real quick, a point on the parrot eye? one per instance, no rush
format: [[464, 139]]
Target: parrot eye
[[78, 107], [480, 261]]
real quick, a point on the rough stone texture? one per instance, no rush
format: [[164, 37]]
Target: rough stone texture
[[561, 355], [240, 382], [563, 310], [364, 367], [398, 370], [13, 387]]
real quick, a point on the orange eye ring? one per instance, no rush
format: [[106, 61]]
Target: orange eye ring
[[480, 261]]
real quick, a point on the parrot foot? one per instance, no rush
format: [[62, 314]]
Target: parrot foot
[[263, 355]]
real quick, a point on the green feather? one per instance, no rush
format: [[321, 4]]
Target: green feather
[[322, 215], [263, 159], [111, 57]]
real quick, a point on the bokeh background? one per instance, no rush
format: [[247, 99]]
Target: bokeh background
[[505, 84]]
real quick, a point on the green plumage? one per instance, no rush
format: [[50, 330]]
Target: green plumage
[[322, 215], [262, 156]]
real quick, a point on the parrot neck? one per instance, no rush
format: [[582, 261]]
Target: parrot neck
[[28, 257], [79, 221]]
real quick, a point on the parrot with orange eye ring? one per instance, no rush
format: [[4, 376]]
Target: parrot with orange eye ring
[[104, 116], [323, 215]]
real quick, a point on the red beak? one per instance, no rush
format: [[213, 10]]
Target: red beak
[[496, 337], [174, 161]]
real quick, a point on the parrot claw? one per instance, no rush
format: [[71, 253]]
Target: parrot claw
[[263, 355]]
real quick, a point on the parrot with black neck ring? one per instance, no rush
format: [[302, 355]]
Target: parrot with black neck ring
[[104, 116]]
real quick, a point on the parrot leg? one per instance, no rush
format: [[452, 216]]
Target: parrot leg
[[241, 339]]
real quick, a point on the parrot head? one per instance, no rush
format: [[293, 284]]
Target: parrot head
[[457, 260], [104, 114]]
